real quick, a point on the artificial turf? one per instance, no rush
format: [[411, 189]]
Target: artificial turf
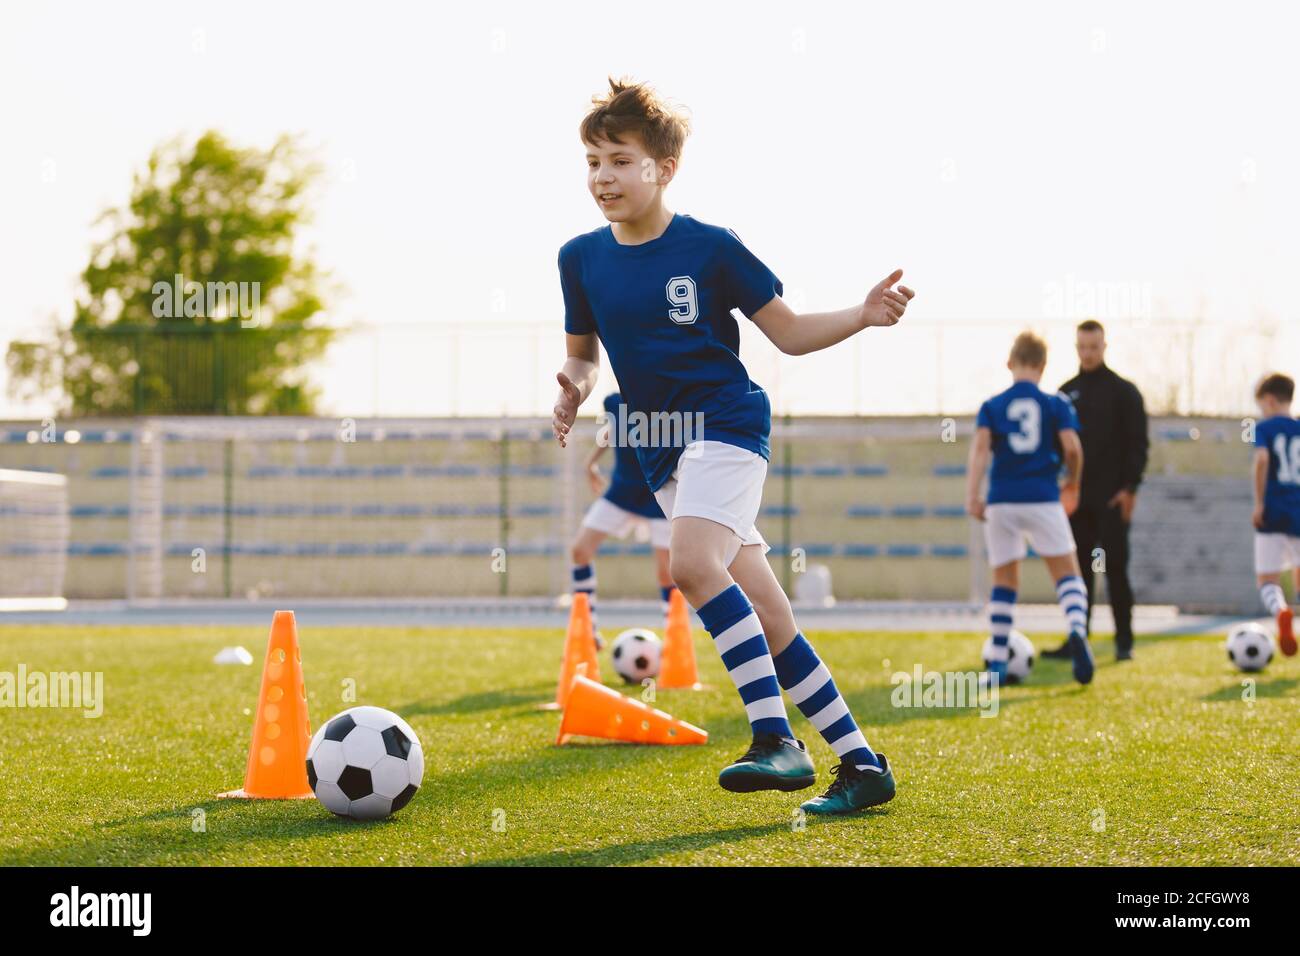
[[1162, 760]]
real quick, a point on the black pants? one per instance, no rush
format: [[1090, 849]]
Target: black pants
[[1094, 525]]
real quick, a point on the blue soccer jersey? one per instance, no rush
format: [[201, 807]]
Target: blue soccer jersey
[[627, 486], [662, 309], [1025, 422], [1281, 437]]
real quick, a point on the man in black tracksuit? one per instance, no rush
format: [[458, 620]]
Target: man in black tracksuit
[[1113, 430]]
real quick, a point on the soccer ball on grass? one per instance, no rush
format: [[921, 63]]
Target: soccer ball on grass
[[636, 655], [1250, 647], [365, 763], [1020, 656]]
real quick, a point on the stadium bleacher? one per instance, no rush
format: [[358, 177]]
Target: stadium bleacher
[[287, 512]]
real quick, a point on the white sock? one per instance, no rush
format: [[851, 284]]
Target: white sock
[[1273, 598]]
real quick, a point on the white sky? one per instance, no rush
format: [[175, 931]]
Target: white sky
[[991, 150]]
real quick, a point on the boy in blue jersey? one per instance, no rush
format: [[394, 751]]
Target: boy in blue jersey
[[625, 504], [657, 289], [1026, 431], [1277, 501]]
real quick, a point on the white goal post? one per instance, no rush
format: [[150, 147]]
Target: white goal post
[[34, 530]]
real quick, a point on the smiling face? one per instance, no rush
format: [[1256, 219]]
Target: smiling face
[[624, 180]]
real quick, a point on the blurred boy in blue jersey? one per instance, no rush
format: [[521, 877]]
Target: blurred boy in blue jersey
[[1026, 431], [657, 289], [624, 505], [1277, 501]]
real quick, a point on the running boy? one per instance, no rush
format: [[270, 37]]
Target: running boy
[[657, 289], [1025, 431], [1277, 501]]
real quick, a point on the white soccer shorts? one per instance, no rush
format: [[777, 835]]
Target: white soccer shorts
[[720, 482], [609, 518], [1010, 526], [1274, 553]]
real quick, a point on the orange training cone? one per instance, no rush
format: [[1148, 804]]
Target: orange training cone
[[677, 660], [594, 710], [277, 760], [579, 648]]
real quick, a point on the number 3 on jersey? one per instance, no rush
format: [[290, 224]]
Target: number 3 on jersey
[[681, 293], [1027, 412]]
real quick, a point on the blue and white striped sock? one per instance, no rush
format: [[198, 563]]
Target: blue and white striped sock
[[584, 582], [808, 682], [1002, 609], [666, 594], [1273, 597], [1073, 598], [738, 636]]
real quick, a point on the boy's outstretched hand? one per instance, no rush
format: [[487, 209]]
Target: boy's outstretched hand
[[566, 408], [884, 306]]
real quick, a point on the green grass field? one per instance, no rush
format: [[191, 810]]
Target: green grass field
[[1159, 762]]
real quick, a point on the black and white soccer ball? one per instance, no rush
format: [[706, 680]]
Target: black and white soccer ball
[[365, 763], [1020, 656], [636, 655], [1250, 646]]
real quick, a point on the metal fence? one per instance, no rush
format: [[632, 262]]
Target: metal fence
[[495, 368]]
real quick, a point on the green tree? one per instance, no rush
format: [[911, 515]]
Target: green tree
[[225, 220]]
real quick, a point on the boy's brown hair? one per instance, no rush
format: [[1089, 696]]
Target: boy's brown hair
[[1029, 350], [636, 108], [1281, 387]]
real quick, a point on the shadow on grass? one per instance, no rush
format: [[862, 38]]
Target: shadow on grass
[[166, 836], [875, 707], [639, 852], [531, 694], [1277, 687]]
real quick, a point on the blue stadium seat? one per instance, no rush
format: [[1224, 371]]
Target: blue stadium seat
[[100, 511], [97, 549], [904, 551], [433, 549], [446, 471], [948, 551], [861, 551], [865, 511]]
